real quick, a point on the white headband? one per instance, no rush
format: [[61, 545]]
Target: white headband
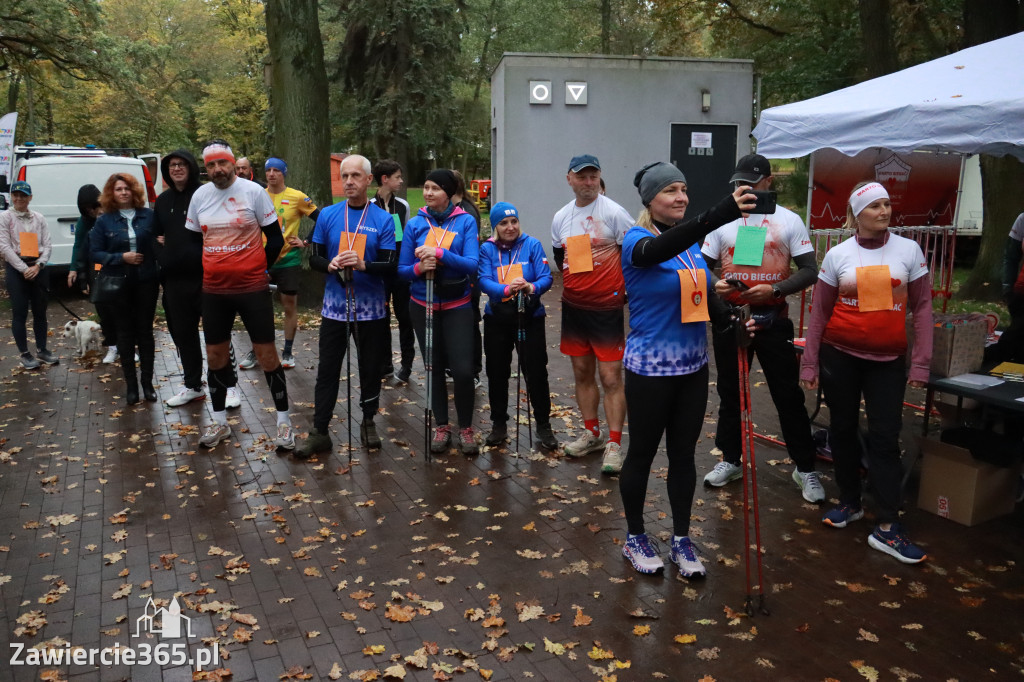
[[218, 151], [864, 196]]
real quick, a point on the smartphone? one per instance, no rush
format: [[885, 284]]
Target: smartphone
[[738, 284], [765, 202]]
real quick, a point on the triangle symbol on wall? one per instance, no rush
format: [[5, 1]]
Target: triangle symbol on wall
[[576, 91]]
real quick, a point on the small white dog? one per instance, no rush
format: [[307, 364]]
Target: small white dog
[[85, 333]]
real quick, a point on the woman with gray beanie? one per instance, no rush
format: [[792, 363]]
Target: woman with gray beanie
[[666, 358]]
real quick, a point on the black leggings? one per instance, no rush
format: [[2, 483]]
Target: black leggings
[[673, 406], [372, 344], [453, 338], [27, 294]]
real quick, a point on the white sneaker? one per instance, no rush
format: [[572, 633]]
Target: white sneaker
[[810, 486], [723, 473], [685, 557], [285, 438], [585, 444], [185, 396], [215, 433], [234, 398], [111, 356], [249, 361], [613, 459]]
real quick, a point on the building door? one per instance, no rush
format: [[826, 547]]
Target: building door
[[707, 156]]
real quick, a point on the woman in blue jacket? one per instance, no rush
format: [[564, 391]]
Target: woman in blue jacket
[[122, 243], [666, 359], [442, 239], [513, 266]]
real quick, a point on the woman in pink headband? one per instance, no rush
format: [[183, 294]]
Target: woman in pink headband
[[865, 289]]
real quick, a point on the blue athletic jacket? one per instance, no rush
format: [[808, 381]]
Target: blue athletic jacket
[[456, 266], [526, 251]]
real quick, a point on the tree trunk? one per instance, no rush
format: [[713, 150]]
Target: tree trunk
[[298, 96], [606, 26], [13, 85], [1001, 179], [876, 38]]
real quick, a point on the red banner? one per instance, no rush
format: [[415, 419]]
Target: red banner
[[922, 186]]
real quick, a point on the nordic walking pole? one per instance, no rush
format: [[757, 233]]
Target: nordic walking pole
[[753, 486], [428, 362], [346, 279], [519, 362], [747, 449], [519, 356]]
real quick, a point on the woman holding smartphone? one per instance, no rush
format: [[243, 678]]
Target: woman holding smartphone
[[666, 358]]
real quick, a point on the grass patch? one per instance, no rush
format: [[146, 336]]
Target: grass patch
[[414, 197], [959, 305]]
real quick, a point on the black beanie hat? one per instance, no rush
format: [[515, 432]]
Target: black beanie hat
[[444, 179]]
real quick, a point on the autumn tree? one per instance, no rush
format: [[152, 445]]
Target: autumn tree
[[1001, 178], [299, 100]]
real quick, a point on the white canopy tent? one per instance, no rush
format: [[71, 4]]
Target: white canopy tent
[[970, 102]]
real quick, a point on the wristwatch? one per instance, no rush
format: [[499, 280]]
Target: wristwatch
[[776, 292]]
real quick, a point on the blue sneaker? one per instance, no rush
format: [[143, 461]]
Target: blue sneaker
[[895, 543], [640, 551], [839, 516], [685, 557]]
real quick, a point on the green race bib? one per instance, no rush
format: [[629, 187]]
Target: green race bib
[[749, 245]]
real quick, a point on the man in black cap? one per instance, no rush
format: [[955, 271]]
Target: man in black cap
[[755, 252], [587, 235]]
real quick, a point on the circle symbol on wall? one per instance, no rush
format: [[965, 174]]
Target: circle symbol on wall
[[540, 92]]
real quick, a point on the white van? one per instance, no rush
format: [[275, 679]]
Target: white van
[[55, 180]]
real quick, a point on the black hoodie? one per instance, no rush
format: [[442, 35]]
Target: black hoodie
[[88, 197], [182, 254]]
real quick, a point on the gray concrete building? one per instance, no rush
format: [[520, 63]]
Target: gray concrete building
[[627, 111]]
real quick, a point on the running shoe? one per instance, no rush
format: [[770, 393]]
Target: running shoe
[[547, 437], [585, 444], [185, 396], [215, 434], [442, 439], [287, 360], [317, 442], [368, 435], [895, 543], [285, 439], [640, 551], [613, 458], [723, 473], [234, 398], [684, 556], [249, 361], [810, 486], [28, 362], [840, 515], [498, 434], [111, 356], [467, 441], [404, 373], [47, 357]]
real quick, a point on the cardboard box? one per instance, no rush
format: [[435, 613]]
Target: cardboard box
[[958, 344], [956, 486]]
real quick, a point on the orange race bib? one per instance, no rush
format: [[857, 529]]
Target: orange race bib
[[446, 237], [28, 244], [581, 258], [874, 288], [358, 244], [693, 296], [507, 273], [97, 267]]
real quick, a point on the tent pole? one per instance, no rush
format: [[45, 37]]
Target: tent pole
[[810, 191], [960, 189]]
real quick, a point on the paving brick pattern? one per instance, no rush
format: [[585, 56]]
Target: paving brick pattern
[[503, 567]]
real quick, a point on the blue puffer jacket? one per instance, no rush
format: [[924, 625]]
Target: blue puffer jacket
[[108, 239]]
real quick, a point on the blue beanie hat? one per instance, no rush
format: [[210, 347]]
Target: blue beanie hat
[[279, 164], [502, 210]]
